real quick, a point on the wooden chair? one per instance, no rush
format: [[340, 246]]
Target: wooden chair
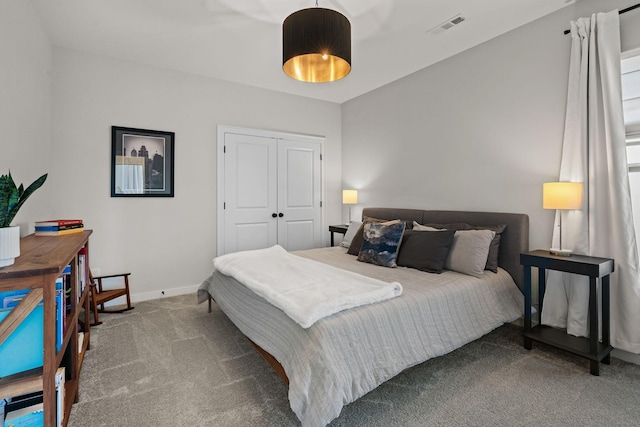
[[99, 295]]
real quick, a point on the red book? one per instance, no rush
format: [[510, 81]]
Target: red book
[[58, 222]]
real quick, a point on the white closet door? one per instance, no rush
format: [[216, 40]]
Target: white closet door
[[250, 189], [270, 189], [299, 189]]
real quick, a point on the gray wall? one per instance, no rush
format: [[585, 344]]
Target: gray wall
[[25, 105], [479, 131], [167, 243]]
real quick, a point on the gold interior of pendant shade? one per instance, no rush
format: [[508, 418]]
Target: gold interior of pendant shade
[[317, 68], [316, 45]]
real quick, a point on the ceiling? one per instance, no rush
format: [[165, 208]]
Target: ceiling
[[241, 40]]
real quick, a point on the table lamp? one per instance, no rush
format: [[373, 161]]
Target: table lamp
[[349, 197], [561, 196]]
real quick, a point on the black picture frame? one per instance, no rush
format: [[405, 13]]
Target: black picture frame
[[142, 162]]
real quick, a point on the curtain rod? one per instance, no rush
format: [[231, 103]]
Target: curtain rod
[[635, 6]]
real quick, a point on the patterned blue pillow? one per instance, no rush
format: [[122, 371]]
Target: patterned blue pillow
[[381, 242]]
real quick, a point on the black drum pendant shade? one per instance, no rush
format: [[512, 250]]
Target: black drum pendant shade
[[316, 45]]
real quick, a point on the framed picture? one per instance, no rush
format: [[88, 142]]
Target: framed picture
[[141, 162]]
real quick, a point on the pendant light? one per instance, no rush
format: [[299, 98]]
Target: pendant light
[[316, 45]]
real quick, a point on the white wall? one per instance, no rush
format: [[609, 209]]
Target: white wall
[[167, 243], [479, 131], [25, 105]]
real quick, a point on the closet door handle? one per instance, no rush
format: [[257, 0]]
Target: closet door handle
[[280, 214], [274, 215]]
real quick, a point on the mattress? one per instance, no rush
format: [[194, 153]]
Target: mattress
[[346, 355]]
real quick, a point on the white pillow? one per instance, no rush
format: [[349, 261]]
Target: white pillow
[[354, 226], [469, 251], [420, 227]]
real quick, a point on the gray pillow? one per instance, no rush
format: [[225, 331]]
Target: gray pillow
[[381, 242], [425, 250], [469, 251], [354, 226], [494, 250]]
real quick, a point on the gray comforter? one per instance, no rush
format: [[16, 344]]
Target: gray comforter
[[346, 355]]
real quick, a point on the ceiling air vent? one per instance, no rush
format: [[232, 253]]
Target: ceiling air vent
[[449, 23]]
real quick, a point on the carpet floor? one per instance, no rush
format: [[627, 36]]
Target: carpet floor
[[170, 362]]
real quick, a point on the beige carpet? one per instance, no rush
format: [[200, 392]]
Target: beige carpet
[[169, 363]]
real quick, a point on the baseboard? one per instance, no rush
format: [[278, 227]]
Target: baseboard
[[626, 356], [146, 296]]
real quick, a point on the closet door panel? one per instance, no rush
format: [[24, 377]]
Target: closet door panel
[[299, 234], [250, 192], [299, 189]]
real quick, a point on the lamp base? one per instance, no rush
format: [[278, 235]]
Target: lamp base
[[560, 252]]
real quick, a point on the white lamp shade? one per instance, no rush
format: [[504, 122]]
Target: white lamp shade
[[562, 195], [349, 197]]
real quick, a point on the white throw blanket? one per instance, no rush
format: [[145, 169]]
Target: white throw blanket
[[304, 289]]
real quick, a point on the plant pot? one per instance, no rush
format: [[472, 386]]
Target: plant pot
[[9, 245]]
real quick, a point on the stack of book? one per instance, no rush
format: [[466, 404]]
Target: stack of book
[[28, 409], [58, 227], [24, 410]]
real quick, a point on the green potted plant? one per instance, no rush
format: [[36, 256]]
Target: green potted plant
[[11, 199]]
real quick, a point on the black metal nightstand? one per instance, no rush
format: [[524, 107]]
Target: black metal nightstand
[[596, 268], [342, 229]]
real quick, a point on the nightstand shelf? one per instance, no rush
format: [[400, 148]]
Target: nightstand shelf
[[591, 348], [558, 338]]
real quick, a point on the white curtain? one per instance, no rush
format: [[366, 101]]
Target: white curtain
[[594, 153]]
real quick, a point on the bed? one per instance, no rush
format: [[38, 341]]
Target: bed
[[344, 356]]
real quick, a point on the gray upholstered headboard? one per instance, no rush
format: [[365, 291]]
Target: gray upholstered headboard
[[514, 239]]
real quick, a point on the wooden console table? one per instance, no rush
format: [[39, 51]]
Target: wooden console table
[[43, 259]]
